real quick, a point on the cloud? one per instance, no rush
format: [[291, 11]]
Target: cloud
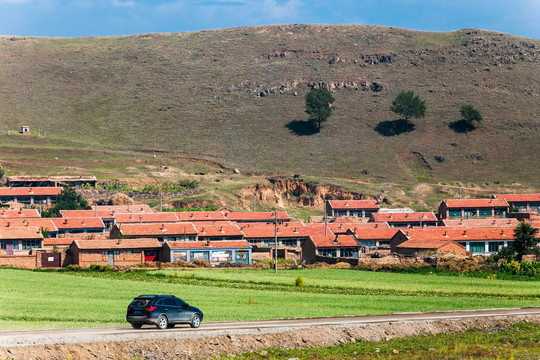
[[126, 3], [272, 9]]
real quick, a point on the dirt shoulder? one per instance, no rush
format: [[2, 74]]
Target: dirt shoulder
[[206, 344]]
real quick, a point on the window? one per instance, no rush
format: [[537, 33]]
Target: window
[[340, 213], [31, 244], [40, 200], [328, 252], [289, 242], [368, 243], [500, 212], [470, 213], [349, 252], [477, 247], [369, 212], [485, 212], [495, 246], [15, 244], [454, 213], [179, 255]]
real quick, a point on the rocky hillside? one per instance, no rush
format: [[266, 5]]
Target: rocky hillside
[[237, 96]]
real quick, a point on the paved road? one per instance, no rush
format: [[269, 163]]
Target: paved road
[[88, 335]]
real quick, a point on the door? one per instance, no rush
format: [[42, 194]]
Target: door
[[150, 255], [111, 257], [49, 260], [183, 315]]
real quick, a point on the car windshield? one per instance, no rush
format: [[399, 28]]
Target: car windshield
[[140, 302]]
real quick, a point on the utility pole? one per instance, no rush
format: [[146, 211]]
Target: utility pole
[[254, 194], [275, 241], [325, 218], [160, 202]]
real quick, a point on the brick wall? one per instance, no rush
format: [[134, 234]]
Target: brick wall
[[86, 260], [20, 261]]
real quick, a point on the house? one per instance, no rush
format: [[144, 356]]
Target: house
[[233, 251], [114, 252], [218, 231], [124, 209], [163, 232], [19, 214], [521, 202], [62, 243], [426, 248], [79, 225], [375, 238], [108, 217], [161, 217], [30, 195], [343, 227], [478, 241], [337, 246], [51, 181], [470, 208], [481, 223], [289, 235], [405, 219], [43, 224], [358, 208], [256, 216], [20, 238], [199, 216]]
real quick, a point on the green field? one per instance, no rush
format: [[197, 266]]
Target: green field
[[31, 300]]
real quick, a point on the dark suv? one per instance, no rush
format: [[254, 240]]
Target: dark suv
[[164, 311]]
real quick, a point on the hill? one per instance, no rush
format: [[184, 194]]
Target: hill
[[236, 96]]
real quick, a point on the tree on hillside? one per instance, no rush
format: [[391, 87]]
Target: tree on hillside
[[319, 106], [469, 114], [524, 239], [67, 200], [408, 105]]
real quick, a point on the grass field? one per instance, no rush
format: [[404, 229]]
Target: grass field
[[519, 342], [31, 300]]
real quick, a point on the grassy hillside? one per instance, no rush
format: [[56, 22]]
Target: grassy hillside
[[197, 95]]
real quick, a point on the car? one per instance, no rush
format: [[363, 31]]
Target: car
[[163, 311]]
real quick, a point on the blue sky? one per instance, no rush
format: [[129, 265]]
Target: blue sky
[[76, 18]]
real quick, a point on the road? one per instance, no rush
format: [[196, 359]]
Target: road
[[90, 335]]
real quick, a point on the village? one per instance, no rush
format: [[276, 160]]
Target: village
[[129, 235]]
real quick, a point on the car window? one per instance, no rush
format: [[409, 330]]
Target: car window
[[169, 302], [179, 302], [159, 302], [140, 302]]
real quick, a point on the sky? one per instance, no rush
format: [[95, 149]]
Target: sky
[[80, 18]]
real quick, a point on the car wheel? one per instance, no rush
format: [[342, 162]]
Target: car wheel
[[195, 321], [162, 322], [136, 326]]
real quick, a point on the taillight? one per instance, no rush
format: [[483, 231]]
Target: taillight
[[129, 308], [150, 308]]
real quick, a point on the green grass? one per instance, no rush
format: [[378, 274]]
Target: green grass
[[31, 299], [518, 342]]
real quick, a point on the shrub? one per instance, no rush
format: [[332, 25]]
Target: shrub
[[299, 282]]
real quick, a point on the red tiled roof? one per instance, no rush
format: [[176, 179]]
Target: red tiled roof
[[519, 197], [432, 244], [341, 228], [353, 204], [53, 178], [475, 203], [404, 217], [20, 233], [477, 223], [154, 229], [104, 214], [21, 213], [218, 230], [256, 216], [338, 241], [57, 241], [123, 209], [455, 234], [143, 243], [208, 244], [87, 235], [30, 191], [200, 216], [266, 231], [41, 223], [376, 234], [146, 218], [78, 223]]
